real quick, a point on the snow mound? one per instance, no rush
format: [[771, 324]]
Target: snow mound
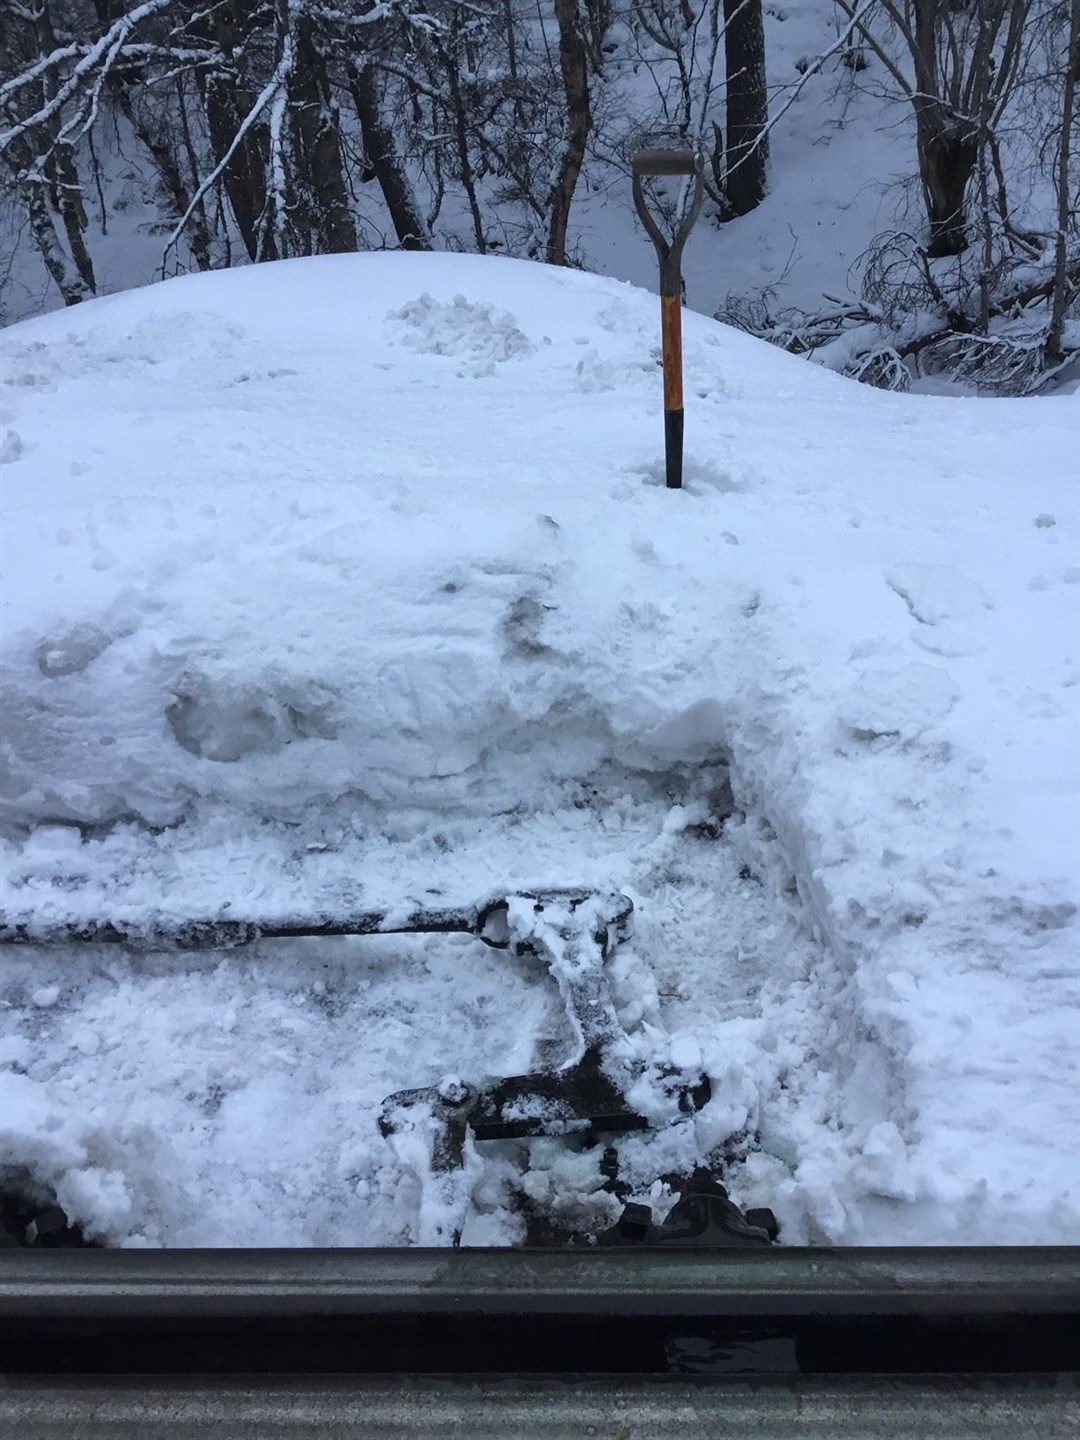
[[478, 334], [298, 616]]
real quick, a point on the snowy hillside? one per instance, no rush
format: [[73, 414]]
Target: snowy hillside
[[353, 581]]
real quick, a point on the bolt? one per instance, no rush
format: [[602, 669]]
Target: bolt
[[453, 1091]]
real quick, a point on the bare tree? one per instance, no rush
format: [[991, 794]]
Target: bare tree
[[964, 58], [238, 135], [322, 220], [38, 148], [387, 167], [747, 106], [573, 61], [1064, 283], [267, 120]]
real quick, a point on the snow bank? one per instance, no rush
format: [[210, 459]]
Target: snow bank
[[350, 579]]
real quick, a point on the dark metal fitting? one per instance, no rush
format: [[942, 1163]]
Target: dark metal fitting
[[664, 162], [454, 1092], [669, 251], [634, 1223]]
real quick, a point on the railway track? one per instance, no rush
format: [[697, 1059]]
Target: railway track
[[636, 1343]]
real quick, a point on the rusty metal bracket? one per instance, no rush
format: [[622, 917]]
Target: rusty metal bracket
[[574, 932]]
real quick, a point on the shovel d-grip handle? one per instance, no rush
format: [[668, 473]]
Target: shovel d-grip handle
[[669, 253]]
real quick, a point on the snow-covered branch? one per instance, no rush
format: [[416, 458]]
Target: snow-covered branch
[[274, 88], [103, 52]]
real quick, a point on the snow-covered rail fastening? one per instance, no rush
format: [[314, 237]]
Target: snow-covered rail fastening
[[605, 1086]]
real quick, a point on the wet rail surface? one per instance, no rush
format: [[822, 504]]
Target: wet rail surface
[[543, 1312]]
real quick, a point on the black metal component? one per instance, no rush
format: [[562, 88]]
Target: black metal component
[[555, 1102], [674, 425], [574, 932], [450, 1114], [136, 935], [711, 1221], [36, 1224], [609, 1168], [692, 1097], [703, 1218], [223, 933], [631, 1228], [763, 1219], [485, 920]]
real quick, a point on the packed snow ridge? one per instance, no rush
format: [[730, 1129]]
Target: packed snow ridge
[[354, 581]]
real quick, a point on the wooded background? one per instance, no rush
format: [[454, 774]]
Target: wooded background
[[268, 128]]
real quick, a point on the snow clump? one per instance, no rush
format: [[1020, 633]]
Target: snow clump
[[474, 332]]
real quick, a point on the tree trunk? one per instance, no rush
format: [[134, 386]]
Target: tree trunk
[[386, 163], [329, 217], [747, 107], [227, 102], [64, 179], [245, 174], [127, 85], [1053, 351], [948, 152], [600, 14], [461, 134], [65, 275], [948, 147], [200, 224], [575, 73], [58, 165]]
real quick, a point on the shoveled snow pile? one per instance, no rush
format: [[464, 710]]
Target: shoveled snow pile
[[354, 582]]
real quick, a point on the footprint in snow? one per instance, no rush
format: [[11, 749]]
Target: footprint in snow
[[898, 704], [946, 606], [11, 447], [72, 650]]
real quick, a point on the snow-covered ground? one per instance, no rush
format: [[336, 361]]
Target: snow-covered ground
[[353, 582]]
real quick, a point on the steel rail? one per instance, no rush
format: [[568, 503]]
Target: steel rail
[[784, 1281], [634, 1311], [936, 1407]]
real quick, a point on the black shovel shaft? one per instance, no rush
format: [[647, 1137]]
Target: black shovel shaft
[[673, 447], [164, 933]]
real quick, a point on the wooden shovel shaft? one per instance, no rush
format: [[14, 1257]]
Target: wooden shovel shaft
[[671, 338]]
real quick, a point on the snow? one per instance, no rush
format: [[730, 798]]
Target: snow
[[353, 583]]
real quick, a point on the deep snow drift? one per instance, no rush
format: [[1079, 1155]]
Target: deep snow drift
[[353, 581]]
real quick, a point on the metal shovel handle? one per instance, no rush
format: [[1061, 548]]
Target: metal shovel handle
[[669, 252]]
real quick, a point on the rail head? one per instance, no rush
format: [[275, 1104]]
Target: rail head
[[539, 1312], [777, 1281]]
